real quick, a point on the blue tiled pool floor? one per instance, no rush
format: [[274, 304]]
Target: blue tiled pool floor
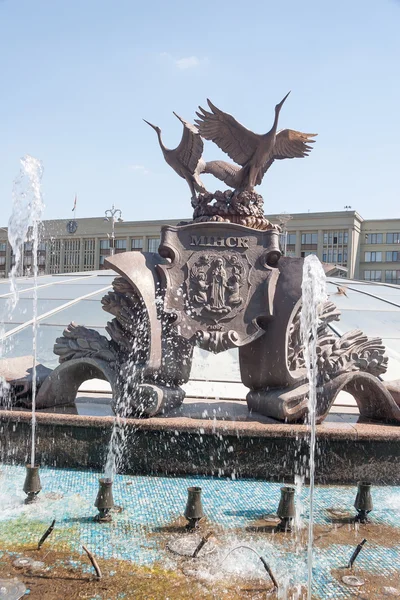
[[151, 503]]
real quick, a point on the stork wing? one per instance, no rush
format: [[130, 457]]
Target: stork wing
[[223, 171], [292, 144], [289, 144], [232, 137], [191, 146]]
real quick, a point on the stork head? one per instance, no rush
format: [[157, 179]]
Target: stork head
[[156, 129], [279, 106]]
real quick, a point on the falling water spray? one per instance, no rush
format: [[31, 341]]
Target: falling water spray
[[24, 223], [313, 296]]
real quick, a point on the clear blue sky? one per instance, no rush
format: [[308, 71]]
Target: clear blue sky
[[77, 76]]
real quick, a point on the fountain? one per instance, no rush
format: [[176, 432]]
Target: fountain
[[314, 296], [23, 225], [218, 283]]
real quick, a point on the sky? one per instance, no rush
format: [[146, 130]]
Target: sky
[[78, 76]]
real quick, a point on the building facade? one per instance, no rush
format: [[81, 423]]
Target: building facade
[[362, 249]]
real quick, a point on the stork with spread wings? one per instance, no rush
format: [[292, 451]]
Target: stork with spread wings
[[254, 153]]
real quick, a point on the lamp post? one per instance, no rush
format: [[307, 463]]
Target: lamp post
[[113, 215], [283, 221]]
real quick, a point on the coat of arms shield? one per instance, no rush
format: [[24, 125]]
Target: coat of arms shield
[[220, 280]]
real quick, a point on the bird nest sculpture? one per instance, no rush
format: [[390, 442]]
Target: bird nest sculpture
[[253, 154]]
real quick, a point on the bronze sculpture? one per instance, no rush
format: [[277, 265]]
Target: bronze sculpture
[[185, 159], [254, 152], [220, 285]]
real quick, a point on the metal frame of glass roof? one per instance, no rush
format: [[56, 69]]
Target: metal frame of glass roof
[[370, 306]]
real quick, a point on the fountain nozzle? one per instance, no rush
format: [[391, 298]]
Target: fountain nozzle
[[104, 501], [286, 509], [194, 508], [32, 485], [363, 502]]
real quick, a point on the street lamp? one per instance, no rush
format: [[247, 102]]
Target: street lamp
[[283, 221], [113, 215]]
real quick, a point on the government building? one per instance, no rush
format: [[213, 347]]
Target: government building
[[360, 248]]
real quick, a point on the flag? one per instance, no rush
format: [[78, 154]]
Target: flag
[[74, 204]]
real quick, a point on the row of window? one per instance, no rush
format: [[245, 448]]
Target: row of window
[[390, 276], [391, 256], [309, 238], [120, 244], [334, 256], [136, 244], [378, 238], [330, 238]]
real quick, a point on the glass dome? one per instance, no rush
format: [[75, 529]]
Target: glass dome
[[372, 307]]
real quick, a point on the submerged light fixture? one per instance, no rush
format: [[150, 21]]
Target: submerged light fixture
[[194, 508], [363, 502], [32, 485], [104, 501], [286, 509]]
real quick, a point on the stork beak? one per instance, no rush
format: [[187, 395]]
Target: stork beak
[[282, 101], [151, 125]]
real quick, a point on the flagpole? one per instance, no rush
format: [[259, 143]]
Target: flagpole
[[74, 209]]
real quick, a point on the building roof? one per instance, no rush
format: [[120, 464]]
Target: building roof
[[372, 307]]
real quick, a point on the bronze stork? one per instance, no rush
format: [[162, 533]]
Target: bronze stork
[[254, 152], [185, 159]]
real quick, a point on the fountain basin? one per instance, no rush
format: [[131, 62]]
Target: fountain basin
[[136, 540], [250, 446]]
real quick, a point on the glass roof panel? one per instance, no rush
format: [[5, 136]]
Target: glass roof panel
[[67, 291], [355, 301], [24, 309], [20, 344], [86, 312], [384, 324], [215, 367], [359, 311]]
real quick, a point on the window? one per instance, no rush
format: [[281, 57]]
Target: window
[[373, 257], [42, 247], [373, 275], [393, 256], [392, 277], [137, 244], [28, 246], [105, 244], [88, 254], [2, 260], [27, 261], [120, 244], [307, 253], [71, 256], [102, 259], [3, 246], [375, 238], [336, 237], [152, 244], [291, 239], [41, 260], [55, 256], [309, 238], [393, 238]]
